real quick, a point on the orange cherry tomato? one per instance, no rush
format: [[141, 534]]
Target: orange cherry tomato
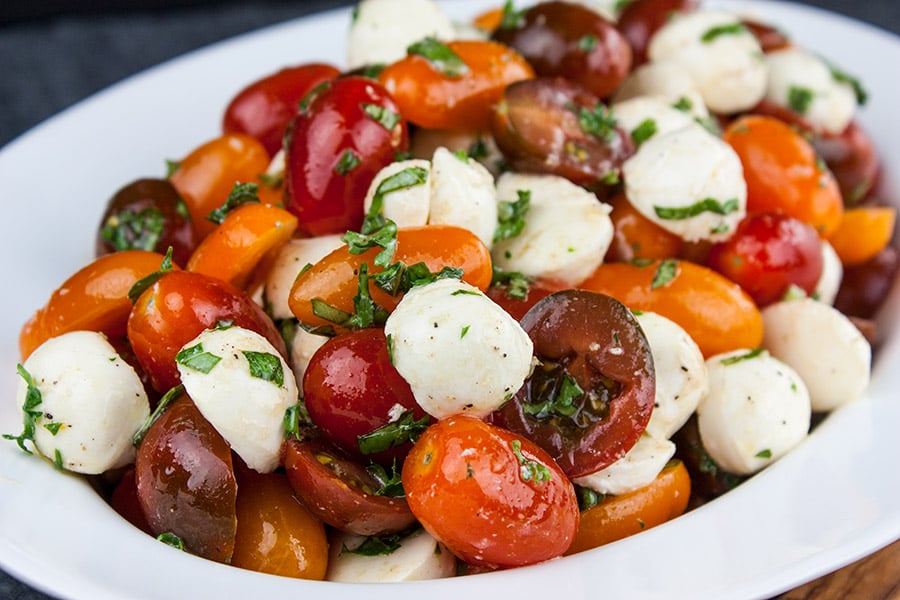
[[636, 236], [489, 20], [276, 534], [618, 517], [241, 241], [492, 497], [783, 174], [715, 311], [94, 298], [335, 279], [863, 233], [206, 176], [432, 99]]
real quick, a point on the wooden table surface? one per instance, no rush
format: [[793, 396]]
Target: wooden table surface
[[876, 577]]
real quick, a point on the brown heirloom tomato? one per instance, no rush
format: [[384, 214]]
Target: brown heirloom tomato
[[640, 19], [590, 399]]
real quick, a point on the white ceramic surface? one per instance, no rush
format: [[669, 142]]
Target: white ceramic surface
[[828, 503]]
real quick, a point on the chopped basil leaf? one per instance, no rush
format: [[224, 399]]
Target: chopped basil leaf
[[862, 96], [440, 56], [171, 539], [400, 277], [610, 178], [272, 181], [197, 359], [517, 284], [741, 357], [511, 18], [665, 272], [378, 545], [348, 161], [478, 149], [145, 282], [296, 421], [726, 29], [381, 115], [530, 470], [241, 193], [391, 485], [53, 428], [684, 104], [464, 331], [172, 167], [465, 293], [128, 230], [58, 459], [511, 216], [598, 122], [161, 407], [621, 5], [765, 453], [33, 399], [587, 42], [367, 312], [405, 429], [305, 101], [676, 213], [265, 366], [587, 498], [558, 402], [799, 99], [644, 131]]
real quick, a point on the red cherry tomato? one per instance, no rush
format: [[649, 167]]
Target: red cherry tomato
[[264, 108], [338, 143], [590, 399], [642, 18], [767, 254], [491, 496], [516, 304]]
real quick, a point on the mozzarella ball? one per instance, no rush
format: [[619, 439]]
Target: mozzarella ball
[[823, 346], [409, 206], [832, 273], [243, 387], [637, 469], [802, 81], [756, 411], [463, 194], [723, 58], [566, 234], [91, 402], [458, 350], [664, 79], [649, 116], [291, 259], [382, 30], [688, 182], [681, 380], [419, 557], [302, 347]]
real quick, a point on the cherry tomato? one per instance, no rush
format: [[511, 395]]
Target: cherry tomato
[[430, 97], [124, 500], [147, 214], [492, 497], [186, 483], [346, 133], [351, 389], [276, 534], [714, 310], [770, 38], [783, 174], [177, 308], [590, 398], [636, 236], [264, 108], [341, 492], [866, 286], [863, 233], [708, 480], [94, 298], [572, 41], [553, 126], [617, 517], [640, 19], [516, 305], [852, 157], [767, 254]]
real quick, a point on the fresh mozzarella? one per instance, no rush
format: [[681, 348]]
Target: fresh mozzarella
[[723, 57], [566, 234], [91, 402], [458, 350], [681, 380], [823, 346], [382, 30], [291, 259], [757, 410], [664, 79], [302, 347], [832, 274], [243, 387], [688, 182], [801, 81], [463, 194], [637, 469], [407, 206], [642, 117], [418, 558]]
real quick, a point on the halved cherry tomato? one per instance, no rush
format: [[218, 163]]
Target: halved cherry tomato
[[186, 483], [334, 280], [618, 517], [94, 298], [590, 398], [489, 20], [517, 305], [636, 236], [124, 500], [492, 497], [264, 108], [863, 233], [248, 233], [852, 157], [276, 534], [206, 176], [770, 38], [715, 311], [767, 254], [866, 286], [177, 308], [340, 491], [435, 99], [640, 19], [783, 174]]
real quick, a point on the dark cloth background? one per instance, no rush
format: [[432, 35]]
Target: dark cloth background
[[54, 53]]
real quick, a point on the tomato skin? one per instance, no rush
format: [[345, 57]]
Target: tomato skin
[[767, 254], [636, 236], [430, 99], [334, 124], [642, 18], [464, 482], [264, 108], [866, 286], [517, 307], [177, 308], [852, 157], [351, 388]]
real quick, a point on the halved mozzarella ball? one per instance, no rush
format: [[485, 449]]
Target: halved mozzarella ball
[[418, 557], [823, 346], [566, 234], [642, 117], [242, 386], [688, 182], [91, 402], [832, 273], [382, 30], [637, 469], [664, 79], [462, 194], [723, 57], [407, 206], [756, 411], [291, 259], [459, 351], [681, 380], [801, 81]]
